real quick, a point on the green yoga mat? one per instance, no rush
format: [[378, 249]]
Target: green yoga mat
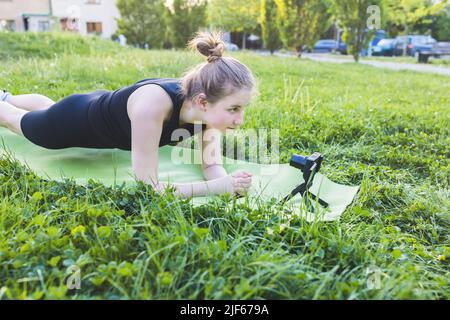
[[113, 166]]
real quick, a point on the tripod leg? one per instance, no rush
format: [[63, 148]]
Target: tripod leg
[[299, 189], [307, 200], [323, 203]]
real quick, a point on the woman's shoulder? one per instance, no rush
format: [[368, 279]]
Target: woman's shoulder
[[171, 86], [160, 81], [149, 99]]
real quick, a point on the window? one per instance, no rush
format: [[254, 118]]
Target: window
[[43, 26], [94, 27], [8, 25]]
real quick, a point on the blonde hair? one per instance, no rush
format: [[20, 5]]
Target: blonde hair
[[219, 76]]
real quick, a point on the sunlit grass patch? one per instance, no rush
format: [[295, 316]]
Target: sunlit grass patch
[[387, 131]]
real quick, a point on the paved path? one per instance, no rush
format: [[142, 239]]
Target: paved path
[[378, 64], [385, 64]]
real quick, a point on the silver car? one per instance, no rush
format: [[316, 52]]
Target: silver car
[[231, 46]]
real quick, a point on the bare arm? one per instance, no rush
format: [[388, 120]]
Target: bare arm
[[211, 151], [147, 109], [203, 188], [218, 181], [213, 170]]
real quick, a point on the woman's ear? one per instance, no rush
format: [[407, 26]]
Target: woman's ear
[[201, 101]]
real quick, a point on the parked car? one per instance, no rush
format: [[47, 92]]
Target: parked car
[[231, 46], [414, 44], [437, 50], [379, 35], [328, 46], [384, 47], [342, 48], [324, 46]]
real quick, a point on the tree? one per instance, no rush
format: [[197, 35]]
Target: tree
[[441, 25], [353, 17], [235, 15], [267, 19], [301, 22], [407, 13], [184, 18], [142, 22]]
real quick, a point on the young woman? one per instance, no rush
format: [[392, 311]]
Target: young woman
[[142, 117]]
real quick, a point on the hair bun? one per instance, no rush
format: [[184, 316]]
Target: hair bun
[[209, 44], [216, 53]]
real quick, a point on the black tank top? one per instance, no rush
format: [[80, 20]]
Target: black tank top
[[109, 118]]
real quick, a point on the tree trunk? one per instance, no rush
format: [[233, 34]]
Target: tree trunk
[[405, 43], [405, 25], [243, 41], [358, 45]]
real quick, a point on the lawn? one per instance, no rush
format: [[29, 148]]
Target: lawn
[[387, 131]]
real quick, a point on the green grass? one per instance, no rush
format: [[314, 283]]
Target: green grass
[[47, 45], [387, 131]]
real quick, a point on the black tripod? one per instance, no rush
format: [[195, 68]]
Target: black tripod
[[309, 166]]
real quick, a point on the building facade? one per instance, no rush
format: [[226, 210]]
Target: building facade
[[80, 16], [25, 15], [87, 16]]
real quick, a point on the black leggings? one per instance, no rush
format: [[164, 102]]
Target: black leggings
[[65, 124]]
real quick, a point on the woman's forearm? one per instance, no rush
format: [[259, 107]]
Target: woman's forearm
[[213, 172], [200, 189]]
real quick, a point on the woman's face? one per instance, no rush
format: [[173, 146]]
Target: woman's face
[[228, 112]]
